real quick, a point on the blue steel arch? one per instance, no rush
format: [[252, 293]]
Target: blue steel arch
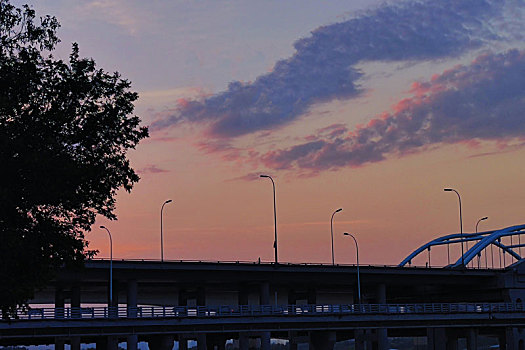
[[484, 240]]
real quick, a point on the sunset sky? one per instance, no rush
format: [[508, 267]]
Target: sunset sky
[[369, 106]]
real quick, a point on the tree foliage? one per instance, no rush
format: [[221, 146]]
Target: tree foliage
[[65, 129]]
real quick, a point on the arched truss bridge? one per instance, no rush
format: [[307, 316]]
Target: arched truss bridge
[[482, 241]]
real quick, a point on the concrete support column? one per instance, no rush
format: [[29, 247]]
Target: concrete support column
[[436, 339], [113, 343], [183, 343], [201, 342], [512, 338], [75, 301], [75, 296], [292, 341], [264, 297], [382, 334], [131, 298], [291, 297], [359, 337], [132, 342], [452, 340], [472, 339], [201, 296], [75, 343], [59, 302], [382, 339], [265, 341], [518, 338], [59, 343], [182, 299], [369, 340], [244, 341], [502, 341], [322, 340], [431, 339], [242, 296], [312, 296], [381, 293]]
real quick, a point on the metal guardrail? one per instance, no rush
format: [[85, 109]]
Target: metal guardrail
[[291, 264], [236, 262], [144, 312]]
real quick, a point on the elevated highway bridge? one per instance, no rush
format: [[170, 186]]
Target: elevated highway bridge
[[188, 286]]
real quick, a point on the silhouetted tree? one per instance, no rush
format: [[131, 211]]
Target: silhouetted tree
[[65, 128]]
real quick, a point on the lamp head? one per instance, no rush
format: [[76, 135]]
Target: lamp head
[[484, 218], [262, 175], [447, 189], [102, 226], [346, 234], [338, 210], [168, 201]]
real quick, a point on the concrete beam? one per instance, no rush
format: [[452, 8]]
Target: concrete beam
[[132, 342]]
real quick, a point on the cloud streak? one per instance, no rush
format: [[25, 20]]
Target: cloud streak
[[151, 169], [120, 13], [323, 66], [481, 101]]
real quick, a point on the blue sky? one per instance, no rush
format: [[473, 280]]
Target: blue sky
[[369, 105]]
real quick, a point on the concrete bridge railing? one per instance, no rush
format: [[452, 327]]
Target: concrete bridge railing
[[146, 312]]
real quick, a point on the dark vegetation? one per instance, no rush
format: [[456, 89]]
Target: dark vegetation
[[65, 129]]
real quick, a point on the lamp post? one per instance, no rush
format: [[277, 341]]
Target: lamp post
[[161, 238], [110, 266], [477, 223], [332, 232], [357, 259], [479, 255], [460, 222], [274, 216]]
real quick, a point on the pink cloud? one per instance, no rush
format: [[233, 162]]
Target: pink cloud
[[481, 101]]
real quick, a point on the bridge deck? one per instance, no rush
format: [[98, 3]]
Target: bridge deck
[[85, 322]]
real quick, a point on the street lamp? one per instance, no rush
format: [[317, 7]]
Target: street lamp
[[357, 259], [479, 254], [110, 266], [332, 232], [477, 223], [460, 222], [161, 239], [274, 216]]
